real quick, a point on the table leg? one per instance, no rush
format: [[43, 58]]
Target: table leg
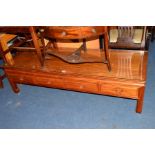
[[140, 100], [14, 86]]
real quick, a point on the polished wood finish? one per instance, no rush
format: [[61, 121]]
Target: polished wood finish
[[72, 32], [54, 33], [127, 78]]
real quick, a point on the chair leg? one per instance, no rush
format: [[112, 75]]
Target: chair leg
[[101, 42], [106, 49], [36, 45], [84, 45]]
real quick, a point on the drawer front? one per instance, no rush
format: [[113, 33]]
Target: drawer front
[[55, 82], [92, 31], [73, 32], [40, 81], [21, 78], [61, 32], [119, 90], [81, 86], [92, 86], [49, 82]]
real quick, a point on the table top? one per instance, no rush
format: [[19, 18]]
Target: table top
[[72, 32], [126, 65], [14, 29]]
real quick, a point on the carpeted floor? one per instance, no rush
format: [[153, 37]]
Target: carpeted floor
[[38, 107]]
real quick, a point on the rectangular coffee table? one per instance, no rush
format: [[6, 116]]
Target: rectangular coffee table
[[127, 78]]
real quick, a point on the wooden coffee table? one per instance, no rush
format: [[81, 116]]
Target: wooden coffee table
[[127, 78]]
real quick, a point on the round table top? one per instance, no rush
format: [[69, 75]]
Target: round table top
[[72, 32]]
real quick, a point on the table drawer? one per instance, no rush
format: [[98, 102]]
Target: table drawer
[[21, 78], [81, 86], [49, 82], [72, 32], [119, 90], [40, 81]]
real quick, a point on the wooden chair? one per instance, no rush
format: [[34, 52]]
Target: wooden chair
[[81, 34], [128, 37], [27, 43], [16, 37], [4, 39]]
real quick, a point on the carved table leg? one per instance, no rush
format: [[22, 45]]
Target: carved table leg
[[140, 100], [14, 86]]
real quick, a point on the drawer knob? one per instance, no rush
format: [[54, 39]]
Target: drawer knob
[[21, 79], [63, 33]]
